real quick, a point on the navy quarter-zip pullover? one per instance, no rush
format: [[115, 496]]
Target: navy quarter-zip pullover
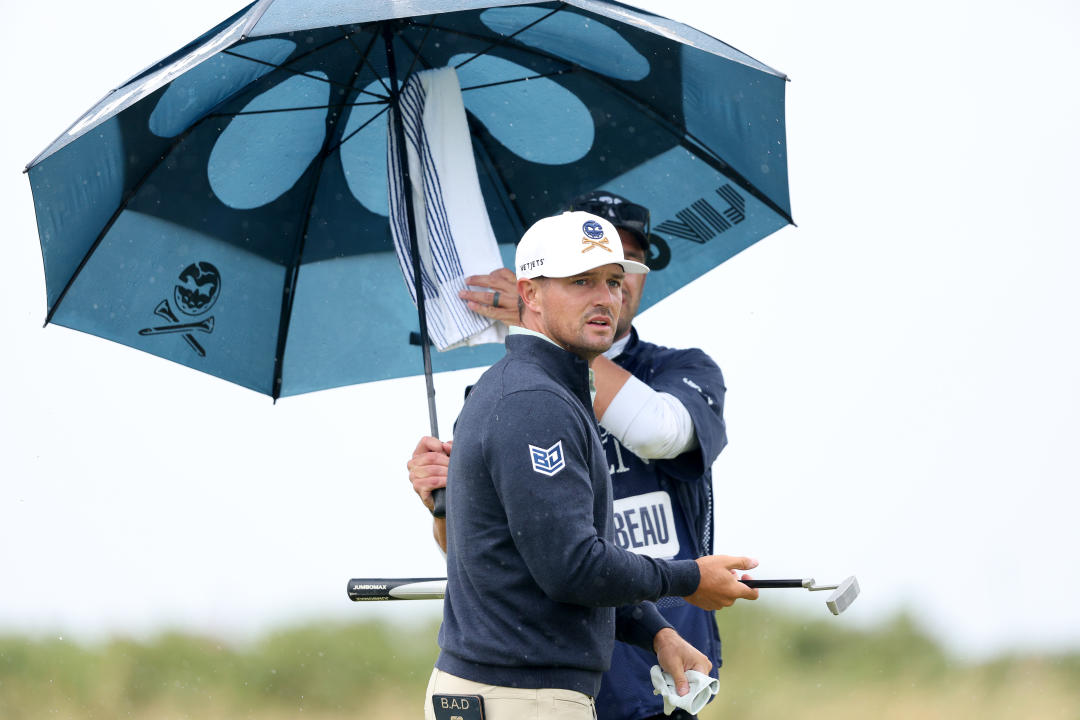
[[533, 574]]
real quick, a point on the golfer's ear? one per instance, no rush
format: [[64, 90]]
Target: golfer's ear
[[528, 291]]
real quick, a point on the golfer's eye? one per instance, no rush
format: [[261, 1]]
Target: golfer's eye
[[614, 284]]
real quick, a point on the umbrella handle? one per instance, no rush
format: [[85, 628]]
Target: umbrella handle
[[439, 496]]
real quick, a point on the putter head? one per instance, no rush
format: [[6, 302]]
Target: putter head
[[843, 596]]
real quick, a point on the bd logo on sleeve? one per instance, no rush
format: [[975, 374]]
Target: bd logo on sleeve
[[547, 462]]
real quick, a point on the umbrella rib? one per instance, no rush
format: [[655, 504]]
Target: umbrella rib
[[684, 138], [364, 54], [330, 106], [300, 73], [134, 189], [504, 38], [416, 50], [716, 163], [288, 295], [120, 207], [299, 57], [517, 80], [493, 169], [350, 136], [381, 101]]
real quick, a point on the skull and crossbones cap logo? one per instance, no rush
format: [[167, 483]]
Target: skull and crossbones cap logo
[[570, 244]]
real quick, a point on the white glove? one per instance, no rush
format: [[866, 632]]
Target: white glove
[[702, 689]]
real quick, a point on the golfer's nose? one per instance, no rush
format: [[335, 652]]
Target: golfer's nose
[[607, 296]]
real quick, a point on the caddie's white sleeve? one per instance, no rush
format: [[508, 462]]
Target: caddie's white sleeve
[[652, 425]]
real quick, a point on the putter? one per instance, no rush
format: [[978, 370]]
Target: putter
[[843, 594], [368, 589]]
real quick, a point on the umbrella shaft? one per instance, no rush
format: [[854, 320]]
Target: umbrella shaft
[[414, 247]]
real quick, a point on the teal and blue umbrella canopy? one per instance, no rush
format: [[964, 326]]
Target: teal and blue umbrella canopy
[[227, 207]]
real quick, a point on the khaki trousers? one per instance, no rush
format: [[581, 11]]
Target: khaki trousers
[[504, 703]]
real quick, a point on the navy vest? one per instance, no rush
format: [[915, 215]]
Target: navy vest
[[664, 509]]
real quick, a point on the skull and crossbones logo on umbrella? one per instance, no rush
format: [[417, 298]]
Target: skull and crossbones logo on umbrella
[[197, 291]]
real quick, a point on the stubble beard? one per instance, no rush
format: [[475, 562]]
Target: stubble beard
[[586, 342]]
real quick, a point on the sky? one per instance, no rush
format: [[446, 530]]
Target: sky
[[901, 366]]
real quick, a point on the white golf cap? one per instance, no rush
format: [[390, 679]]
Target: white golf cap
[[570, 244]]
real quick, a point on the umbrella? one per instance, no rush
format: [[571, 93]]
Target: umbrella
[[226, 208]]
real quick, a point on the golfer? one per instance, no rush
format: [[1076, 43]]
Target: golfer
[[537, 589], [661, 413]]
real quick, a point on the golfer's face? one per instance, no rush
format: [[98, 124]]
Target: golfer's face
[[580, 312]]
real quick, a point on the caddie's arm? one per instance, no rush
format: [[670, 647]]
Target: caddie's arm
[[653, 425]]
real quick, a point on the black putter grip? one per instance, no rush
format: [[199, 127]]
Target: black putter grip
[[773, 583], [367, 589], [439, 496]]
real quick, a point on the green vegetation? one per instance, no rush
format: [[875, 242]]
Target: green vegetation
[[783, 666], [322, 671], [776, 666]]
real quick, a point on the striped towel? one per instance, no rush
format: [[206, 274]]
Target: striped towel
[[452, 226]]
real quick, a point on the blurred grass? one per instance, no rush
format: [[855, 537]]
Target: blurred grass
[[784, 666], [776, 666]]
